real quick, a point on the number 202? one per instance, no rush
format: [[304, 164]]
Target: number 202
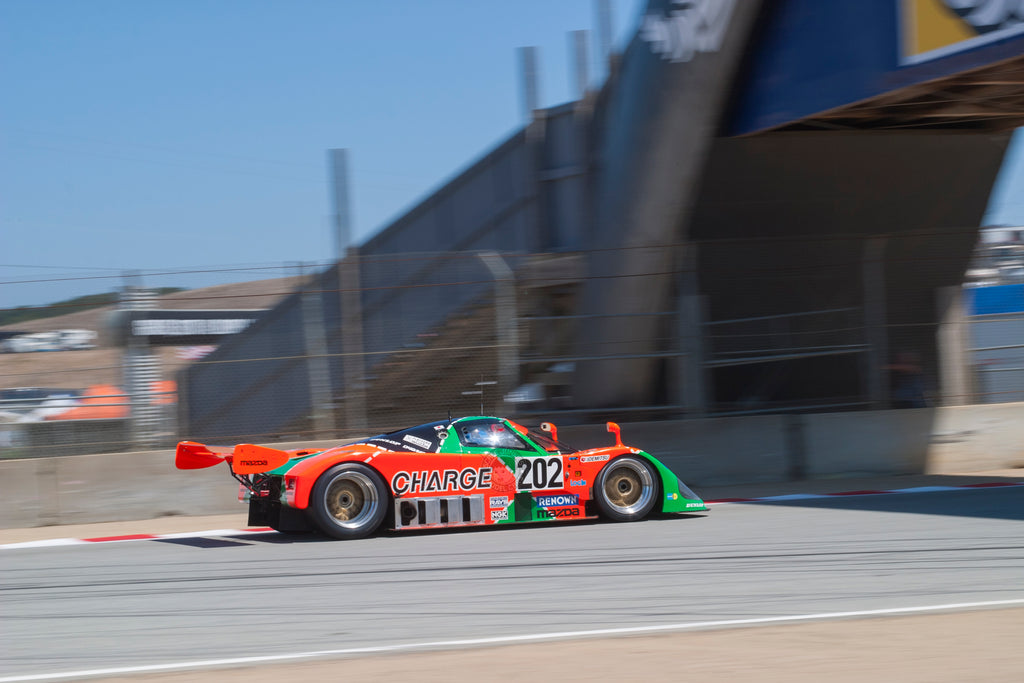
[[534, 474]]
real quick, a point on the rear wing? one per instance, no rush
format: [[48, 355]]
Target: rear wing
[[243, 459]]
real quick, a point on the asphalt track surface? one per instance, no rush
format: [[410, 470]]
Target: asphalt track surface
[[175, 601]]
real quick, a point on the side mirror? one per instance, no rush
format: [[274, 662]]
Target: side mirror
[[550, 429], [614, 429]]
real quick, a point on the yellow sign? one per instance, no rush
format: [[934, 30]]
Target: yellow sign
[[936, 28]]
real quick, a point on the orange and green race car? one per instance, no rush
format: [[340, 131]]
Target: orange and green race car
[[463, 472]]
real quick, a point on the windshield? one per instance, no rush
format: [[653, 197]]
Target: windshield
[[488, 433]]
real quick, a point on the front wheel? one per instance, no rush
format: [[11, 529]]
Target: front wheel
[[349, 501], [625, 489]]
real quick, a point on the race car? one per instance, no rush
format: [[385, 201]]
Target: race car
[[451, 473]]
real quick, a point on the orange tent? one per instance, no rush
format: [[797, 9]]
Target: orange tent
[[105, 401], [100, 401]]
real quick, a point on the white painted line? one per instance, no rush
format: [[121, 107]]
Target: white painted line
[[507, 640], [48, 543]]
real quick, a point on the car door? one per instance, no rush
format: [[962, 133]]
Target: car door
[[524, 478]]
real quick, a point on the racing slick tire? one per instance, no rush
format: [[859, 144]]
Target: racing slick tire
[[626, 489], [349, 501]]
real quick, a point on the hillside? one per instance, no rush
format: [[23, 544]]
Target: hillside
[[102, 365], [23, 314]]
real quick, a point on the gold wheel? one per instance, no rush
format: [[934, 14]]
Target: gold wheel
[[349, 501], [345, 500], [626, 489], [623, 488]]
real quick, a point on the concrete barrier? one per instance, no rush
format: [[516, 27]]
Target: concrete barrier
[[109, 487], [977, 438], [113, 487], [703, 452], [863, 443], [719, 451]]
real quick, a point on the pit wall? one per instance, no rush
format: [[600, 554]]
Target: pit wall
[[711, 452]]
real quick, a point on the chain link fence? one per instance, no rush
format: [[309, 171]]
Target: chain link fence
[[386, 341]]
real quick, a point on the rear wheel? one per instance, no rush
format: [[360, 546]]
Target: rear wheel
[[349, 501], [626, 489]]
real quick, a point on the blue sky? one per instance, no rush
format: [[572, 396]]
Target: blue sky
[[170, 135], [192, 134]]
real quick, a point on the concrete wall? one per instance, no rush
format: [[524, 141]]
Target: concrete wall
[[978, 438], [875, 442], [112, 487], [703, 452], [109, 487], [122, 486]]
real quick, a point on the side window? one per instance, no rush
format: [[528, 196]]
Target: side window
[[490, 435]]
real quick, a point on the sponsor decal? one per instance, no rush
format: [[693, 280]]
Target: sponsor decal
[[936, 28], [416, 441], [189, 328], [594, 458], [673, 496], [694, 505], [577, 482], [497, 515], [498, 501], [688, 27], [254, 463], [561, 500], [558, 512], [434, 481], [539, 473]]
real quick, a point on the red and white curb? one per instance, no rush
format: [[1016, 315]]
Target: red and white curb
[[221, 533], [215, 533]]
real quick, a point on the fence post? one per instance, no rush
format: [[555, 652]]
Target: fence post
[[315, 338], [506, 324], [692, 380], [349, 296], [140, 370], [691, 315], [873, 281], [954, 378], [354, 364]]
